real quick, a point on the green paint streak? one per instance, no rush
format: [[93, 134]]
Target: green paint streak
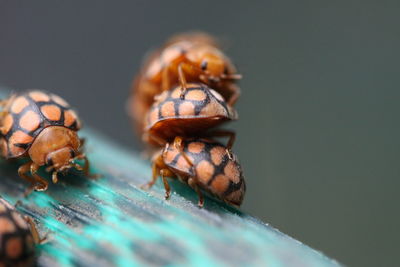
[[41, 200], [62, 256]]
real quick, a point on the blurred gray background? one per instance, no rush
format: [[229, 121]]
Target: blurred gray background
[[318, 134]]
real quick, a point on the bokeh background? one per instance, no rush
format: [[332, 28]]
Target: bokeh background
[[318, 134]]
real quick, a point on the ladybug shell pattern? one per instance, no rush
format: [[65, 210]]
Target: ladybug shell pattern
[[27, 114], [201, 109], [16, 240], [215, 171]]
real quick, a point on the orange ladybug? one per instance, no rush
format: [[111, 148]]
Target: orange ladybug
[[185, 58], [18, 237], [42, 127], [201, 109], [204, 165]]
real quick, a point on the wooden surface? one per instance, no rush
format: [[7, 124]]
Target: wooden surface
[[111, 221]]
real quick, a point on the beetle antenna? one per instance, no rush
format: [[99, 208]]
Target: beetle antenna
[[236, 76], [78, 167]]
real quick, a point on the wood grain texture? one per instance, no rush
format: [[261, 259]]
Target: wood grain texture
[[112, 222]]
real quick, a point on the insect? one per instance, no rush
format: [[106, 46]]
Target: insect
[[204, 165], [41, 127], [185, 58], [18, 237], [201, 109]]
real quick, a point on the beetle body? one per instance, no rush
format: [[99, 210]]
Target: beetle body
[[200, 110], [18, 237], [187, 57], [43, 128], [204, 165]]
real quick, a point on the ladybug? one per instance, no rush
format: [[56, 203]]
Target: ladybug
[[18, 237], [203, 164], [201, 109], [186, 58], [43, 128]]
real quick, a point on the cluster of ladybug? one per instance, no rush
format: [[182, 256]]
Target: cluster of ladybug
[[184, 91]]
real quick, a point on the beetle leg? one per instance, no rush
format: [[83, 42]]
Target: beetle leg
[[231, 139], [155, 172], [86, 166], [22, 170], [234, 98], [178, 143], [79, 168], [165, 82], [192, 181], [164, 174], [34, 231], [235, 95], [235, 76], [34, 168], [82, 142], [147, 137], [34, 180], [182, 80], [54, 177]]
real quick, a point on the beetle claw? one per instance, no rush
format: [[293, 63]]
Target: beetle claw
[[54, 177]]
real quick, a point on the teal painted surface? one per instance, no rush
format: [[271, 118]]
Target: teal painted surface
[[111, 221]]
